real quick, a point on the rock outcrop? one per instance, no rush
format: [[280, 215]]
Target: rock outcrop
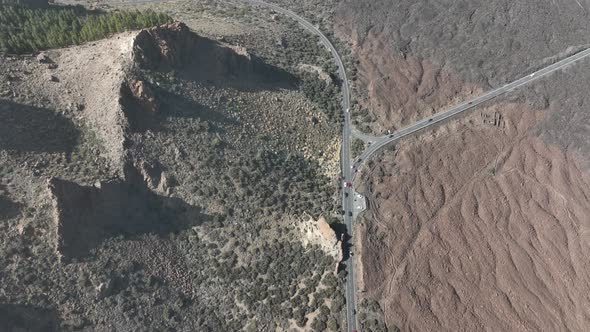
[[174, 46], [144, 95], [86, 215], [169, 44], [320, 233], [139, 104]]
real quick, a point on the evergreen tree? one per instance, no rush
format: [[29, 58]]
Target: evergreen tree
[[24, 29]]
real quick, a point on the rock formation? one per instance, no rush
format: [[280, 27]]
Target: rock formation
[[169, 44], [86, 215], [174, 46], [139, 104], [320, 233], [144, 95]]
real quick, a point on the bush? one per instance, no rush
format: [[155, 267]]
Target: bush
[[357, 147], [324, 94]]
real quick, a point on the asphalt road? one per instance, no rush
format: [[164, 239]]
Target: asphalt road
[[347, 202], [345, 161], [469, 104]]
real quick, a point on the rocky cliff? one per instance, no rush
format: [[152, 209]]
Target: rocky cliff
[[319, 232], [174, 46]]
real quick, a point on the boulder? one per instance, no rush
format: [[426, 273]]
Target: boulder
[[43, 58], [144, 95], [320, 233], [164, 44], [52, 78]]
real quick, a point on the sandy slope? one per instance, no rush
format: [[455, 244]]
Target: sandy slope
[[479, 227], [85, 85]]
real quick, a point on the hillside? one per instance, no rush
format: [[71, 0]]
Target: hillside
[[416, 58], [153, 180]]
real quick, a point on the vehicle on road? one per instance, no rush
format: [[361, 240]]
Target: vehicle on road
[[350, 213], [429, 120], [347, 110], [532, 75], [470, 103], [345, 194], [390, 136], [347, 184]]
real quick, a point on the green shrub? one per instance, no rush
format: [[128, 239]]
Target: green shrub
[[357, 147]]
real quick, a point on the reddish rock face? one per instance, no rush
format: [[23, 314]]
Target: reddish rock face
[[144, 95], [168, 43]]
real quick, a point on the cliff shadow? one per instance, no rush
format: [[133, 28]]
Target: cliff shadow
[[169, 105], [19, 318], [86, 215], [27, 128], [8, 208], [178, 106], [200, 59], [228, 67]]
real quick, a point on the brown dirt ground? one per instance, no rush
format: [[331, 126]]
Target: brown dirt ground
[[481, 223], [400, 89], [479, 227], [415, 57]]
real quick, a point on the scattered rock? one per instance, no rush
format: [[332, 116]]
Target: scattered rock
[[104, 289], [282, 42], [318, 71], [178, 153], [52, 78], [43, 58], [166, 183]]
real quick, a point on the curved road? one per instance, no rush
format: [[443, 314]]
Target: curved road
[[347, 192]]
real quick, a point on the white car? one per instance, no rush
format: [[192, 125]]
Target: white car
[[347, 110], [532, 75]]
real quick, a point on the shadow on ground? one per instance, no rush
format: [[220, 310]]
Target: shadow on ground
[[87, 215], [8, 208], [30, 129], [202, 59], [178, 106], [222, 67], [21, 318]]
